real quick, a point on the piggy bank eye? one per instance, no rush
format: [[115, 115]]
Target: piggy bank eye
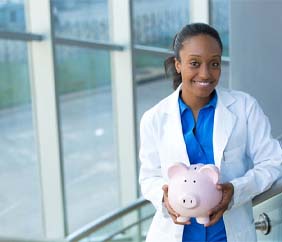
[[194, 181], [195, 168], [185, 180]]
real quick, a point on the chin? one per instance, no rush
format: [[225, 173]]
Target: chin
[[204, 93]]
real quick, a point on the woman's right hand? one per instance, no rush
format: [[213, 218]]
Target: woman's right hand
[[170, 211]]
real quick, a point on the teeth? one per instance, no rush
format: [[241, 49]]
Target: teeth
[[202, 83]]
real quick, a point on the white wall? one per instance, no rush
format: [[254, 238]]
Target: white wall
[[256, 54]]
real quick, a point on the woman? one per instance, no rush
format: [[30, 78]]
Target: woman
[[201, 123]]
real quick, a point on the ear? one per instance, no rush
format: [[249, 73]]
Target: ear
[[177, 65], [176, 169], [211, 171]]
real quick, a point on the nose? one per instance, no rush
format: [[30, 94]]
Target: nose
[[188, 201], [204, 72]]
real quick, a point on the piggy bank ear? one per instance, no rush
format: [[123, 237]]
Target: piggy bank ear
[[177, 168], [211, 171]]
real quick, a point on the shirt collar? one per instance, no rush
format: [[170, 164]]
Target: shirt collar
[[211, 103]]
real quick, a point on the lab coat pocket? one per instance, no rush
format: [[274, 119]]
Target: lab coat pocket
[[234, 155], [233, 163]]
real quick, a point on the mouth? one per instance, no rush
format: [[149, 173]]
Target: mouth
[[203, 83]]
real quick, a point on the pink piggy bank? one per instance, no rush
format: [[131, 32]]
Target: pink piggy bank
[[192, 191]]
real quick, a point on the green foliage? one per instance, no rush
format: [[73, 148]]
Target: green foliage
[[145, 60], [14, 84], [82, 71]]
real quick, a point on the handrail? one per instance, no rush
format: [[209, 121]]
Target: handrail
[[126, 228], [105, 220], [275, 189]]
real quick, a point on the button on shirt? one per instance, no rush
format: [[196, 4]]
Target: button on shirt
[[199, 146]]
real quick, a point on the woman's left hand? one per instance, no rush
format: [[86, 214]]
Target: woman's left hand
[[227, 194]]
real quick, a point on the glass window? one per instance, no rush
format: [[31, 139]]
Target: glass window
[[219, 18], [156, 22], [84, 20], [12, 17], [151, 82], [20, 198], [87, 127]]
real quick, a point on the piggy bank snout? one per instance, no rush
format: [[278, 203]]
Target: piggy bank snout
[[188, 201]]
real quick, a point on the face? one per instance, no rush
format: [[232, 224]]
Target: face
[[200, 67]]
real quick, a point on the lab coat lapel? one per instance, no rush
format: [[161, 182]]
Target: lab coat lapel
[[177, 151], [224, 121]]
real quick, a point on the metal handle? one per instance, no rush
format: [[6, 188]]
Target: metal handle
[[263, 224]]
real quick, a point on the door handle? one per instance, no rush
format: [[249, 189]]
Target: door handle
[[263, 224]]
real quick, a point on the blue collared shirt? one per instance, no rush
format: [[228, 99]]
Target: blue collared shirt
[[199, 145]]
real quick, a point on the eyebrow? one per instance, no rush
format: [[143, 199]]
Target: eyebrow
[[201, 56]]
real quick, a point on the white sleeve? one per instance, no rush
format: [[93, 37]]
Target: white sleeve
[[150, 177], [266, 155]]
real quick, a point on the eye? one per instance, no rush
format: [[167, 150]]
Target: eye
[[194, 181], [215, 64], [185, 180], [194, 64]]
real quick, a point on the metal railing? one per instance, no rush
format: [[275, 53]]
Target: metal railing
[[96, 225], [275, 189], [107, 219]]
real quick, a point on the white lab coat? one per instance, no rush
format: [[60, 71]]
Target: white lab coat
[[244, 150]]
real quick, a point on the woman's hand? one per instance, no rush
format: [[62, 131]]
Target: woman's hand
[[171, 212], [217, 212]]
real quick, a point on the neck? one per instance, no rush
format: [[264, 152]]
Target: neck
[[195, 103]]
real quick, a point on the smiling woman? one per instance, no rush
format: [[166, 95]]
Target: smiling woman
[[202, 123], [199, 65]]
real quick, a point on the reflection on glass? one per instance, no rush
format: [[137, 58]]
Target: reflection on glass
[[84, 20], [219, 12], [224, 76], [20, 202], [87, 128], [151, 82], [156, 22], [12, 17]]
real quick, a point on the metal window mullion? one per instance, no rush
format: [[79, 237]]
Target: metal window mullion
[[123, 98], [199, 11], [20, 36], [87, 44], [123, 101], [41, 62]]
